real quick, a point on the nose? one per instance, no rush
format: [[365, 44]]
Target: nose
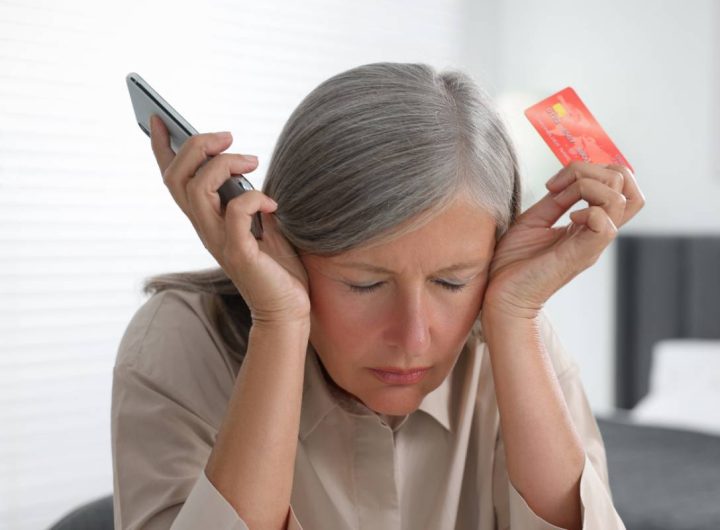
[[408, 325]]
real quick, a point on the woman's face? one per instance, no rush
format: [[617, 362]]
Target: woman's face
[[409, 303]]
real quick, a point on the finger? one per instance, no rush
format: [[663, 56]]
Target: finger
[[201, 190], [273, 242], [595, 218], [204, 201], [279, 248], [197, 149], [191, 156], [160, 142], [240, 245], [631, 190], [543, 213], [577, 170], [548, 210], [591, 233], [596, 194]]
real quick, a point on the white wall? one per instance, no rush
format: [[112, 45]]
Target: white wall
[[84, 216], [650, 72]]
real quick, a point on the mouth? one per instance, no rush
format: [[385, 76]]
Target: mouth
[[397, 376]]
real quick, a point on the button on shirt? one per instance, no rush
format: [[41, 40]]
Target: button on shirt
[[440, 467]]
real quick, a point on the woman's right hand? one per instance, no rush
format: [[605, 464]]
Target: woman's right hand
[[267, 272]]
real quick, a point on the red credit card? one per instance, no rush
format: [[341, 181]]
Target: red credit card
[[567, 126]]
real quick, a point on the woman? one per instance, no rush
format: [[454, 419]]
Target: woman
[[355, 381]]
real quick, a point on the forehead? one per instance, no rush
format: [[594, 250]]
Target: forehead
[[461, 233]]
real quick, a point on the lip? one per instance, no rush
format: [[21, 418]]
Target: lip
[[396, 376]]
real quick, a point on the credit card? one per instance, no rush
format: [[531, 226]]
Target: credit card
[[571, 132]]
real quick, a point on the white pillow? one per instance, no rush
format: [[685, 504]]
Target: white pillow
[[684, 386]]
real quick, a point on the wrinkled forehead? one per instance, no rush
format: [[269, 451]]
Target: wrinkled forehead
[[462, 236]]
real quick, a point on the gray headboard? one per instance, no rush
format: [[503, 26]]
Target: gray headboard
[[667, 287]]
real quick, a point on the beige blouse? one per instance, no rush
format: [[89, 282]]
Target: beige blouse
[[441, 467]]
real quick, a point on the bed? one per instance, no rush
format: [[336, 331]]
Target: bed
[[663, 443]]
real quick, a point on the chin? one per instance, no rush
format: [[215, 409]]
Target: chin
[[398, 405]]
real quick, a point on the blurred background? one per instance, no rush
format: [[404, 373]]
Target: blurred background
[[84, 215]]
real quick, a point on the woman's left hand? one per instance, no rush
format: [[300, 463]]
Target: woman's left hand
[[533, 260]]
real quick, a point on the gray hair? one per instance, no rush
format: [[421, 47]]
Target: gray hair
[[364, 152]]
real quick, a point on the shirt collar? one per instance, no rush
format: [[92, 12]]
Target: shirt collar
[[319, 398], [437, 403]]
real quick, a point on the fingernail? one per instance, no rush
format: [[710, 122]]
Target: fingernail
[[225, 135], [152, 123], [252, 158], [554, 179]]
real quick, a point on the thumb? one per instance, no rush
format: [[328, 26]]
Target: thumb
[[160, 141]]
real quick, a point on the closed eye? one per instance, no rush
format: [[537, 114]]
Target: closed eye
[[364, 288], [450, 286], [372, 287]]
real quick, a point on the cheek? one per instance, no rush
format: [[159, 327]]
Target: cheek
[[456, 317], [457, 314], [341, 319]]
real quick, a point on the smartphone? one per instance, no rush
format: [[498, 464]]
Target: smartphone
[[146, 102]]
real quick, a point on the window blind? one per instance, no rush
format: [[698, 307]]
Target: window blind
[[84, 216]]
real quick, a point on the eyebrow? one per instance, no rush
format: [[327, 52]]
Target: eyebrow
[[464, 265]]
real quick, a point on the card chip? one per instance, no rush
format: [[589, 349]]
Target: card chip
[[559, 110]]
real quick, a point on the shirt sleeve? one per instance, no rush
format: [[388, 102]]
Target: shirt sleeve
[[597, 509], [205, 498], [171, 387], [596, 506], [160, 449]]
